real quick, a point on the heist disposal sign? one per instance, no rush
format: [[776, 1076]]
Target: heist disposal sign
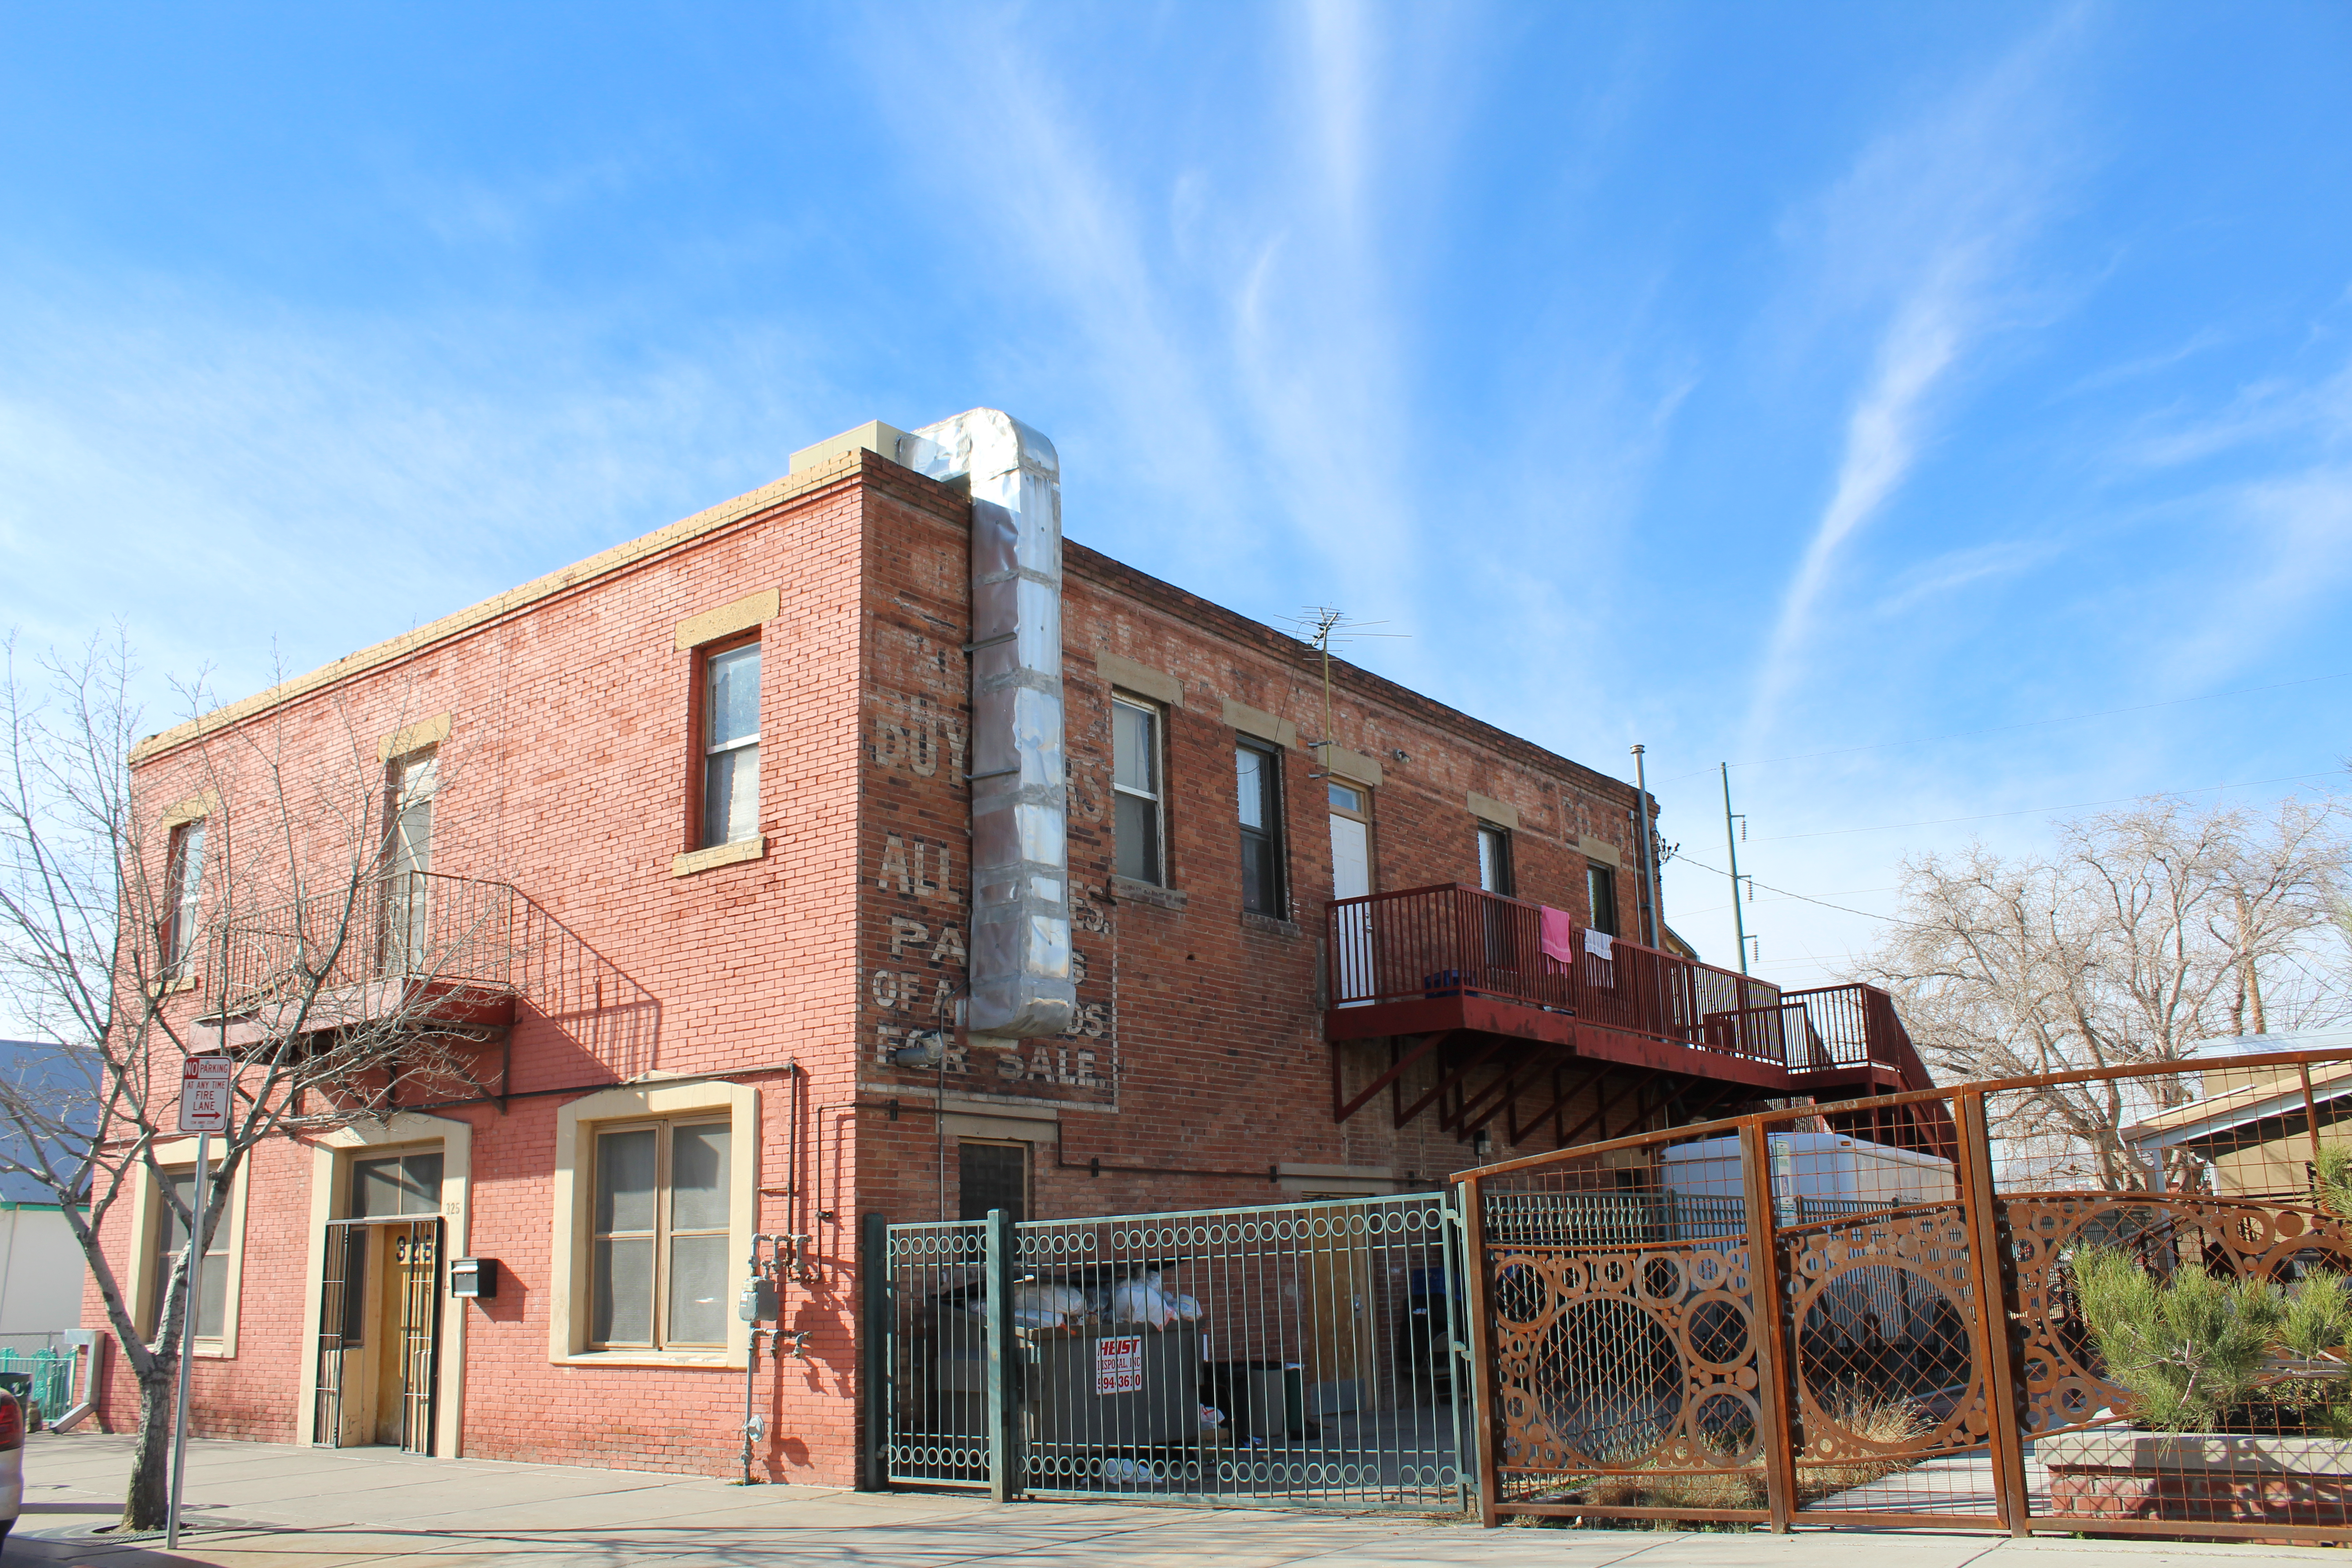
[[1118, 1363], [205, 1094]]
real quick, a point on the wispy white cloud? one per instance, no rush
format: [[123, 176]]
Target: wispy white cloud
[[242, 482], [1922, 235]]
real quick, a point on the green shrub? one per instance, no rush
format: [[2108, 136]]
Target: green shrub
[[2189, 1349], [2333, 1169]]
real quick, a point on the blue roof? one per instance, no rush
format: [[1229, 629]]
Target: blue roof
[[62, 1084]]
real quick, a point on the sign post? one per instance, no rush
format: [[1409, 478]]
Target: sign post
[[203, 1111]]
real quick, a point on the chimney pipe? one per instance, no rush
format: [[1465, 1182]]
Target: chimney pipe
[[1019, 953]]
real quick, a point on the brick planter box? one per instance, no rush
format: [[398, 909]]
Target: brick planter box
[[2199, 1478]]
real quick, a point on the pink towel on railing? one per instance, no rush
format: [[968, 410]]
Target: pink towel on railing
[[1559, 935]]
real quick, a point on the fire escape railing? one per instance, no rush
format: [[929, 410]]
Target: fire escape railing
[[424, 926], [1454, 940]]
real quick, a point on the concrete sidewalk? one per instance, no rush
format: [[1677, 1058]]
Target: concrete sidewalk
[[266, 1506]]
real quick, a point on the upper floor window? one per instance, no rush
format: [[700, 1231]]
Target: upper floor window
[[1139, 809], [730, 746], [1601, 892], [1257, 774], [659, 1273], [183, 894], [1495, 859], [411, 782]]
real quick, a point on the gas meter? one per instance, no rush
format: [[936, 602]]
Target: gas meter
[[756, 1304]]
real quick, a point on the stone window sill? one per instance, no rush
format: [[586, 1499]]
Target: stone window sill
[[715, 1361], [718, 855], [1253, 920], [1125, 891], [174, 987]]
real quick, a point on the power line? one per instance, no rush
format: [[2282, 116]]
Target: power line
[[2035, 810], [2022, 724], [1801, 898]]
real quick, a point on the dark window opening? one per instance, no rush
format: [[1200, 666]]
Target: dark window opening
[[395, 1185], [1601, 888], [172, 1240], [730, 746], [182, 897], [991, 1176], [1257, 782]]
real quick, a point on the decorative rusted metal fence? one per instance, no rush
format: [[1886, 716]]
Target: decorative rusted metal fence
[[1765, 1320]]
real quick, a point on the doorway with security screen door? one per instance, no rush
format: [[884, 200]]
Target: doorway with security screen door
[[379, 1317]]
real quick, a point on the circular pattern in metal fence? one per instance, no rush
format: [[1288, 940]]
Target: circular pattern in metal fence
[[2063, 1378]]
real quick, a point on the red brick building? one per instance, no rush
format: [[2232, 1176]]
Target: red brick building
[[728, 783]]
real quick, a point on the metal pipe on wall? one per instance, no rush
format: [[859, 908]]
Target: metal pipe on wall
[[1019, 964]]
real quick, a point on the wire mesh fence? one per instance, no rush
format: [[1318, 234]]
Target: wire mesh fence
[[1299, 1354], [2097, 1301]]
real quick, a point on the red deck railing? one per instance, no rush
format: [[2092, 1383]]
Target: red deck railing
[[1455, 940]]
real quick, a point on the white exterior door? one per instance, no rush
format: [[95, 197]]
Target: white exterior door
[[1351, 878]]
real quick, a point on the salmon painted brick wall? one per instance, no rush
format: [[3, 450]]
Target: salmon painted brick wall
[[567, 773]]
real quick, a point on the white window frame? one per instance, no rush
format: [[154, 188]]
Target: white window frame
[[1156, 797], [184, 893], [570, 1288], [737, 832]]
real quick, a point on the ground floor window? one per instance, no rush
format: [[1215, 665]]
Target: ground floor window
[[656, 1194], [172, 1239], [992, 1175], [657, 1271]]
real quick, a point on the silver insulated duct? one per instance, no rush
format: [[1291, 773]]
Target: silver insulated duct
[[1020, 954]]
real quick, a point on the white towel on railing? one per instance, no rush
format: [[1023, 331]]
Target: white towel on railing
[[1598, 943]]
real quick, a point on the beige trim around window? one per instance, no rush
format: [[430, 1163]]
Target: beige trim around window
[[423, 735], [332, 1158], [1141, 679], [147, 1213], [693, 860], [1258, 721], [568, 1291], [1600, 850], [195, 808], [1499, 813], [741, 615]]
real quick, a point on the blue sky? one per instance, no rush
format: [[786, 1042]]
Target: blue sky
[[1860, 394]]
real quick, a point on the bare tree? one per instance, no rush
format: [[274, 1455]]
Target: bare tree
[[2142, 934], [247, 895]]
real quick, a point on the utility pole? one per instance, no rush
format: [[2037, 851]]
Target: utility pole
[[1731, 842], [1649, 841]]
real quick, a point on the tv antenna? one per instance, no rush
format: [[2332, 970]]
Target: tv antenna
[[1320, 625]]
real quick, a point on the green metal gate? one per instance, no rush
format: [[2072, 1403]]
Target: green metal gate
[[1305, 1354]]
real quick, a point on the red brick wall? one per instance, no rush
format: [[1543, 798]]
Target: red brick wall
[[1197, 1061]]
